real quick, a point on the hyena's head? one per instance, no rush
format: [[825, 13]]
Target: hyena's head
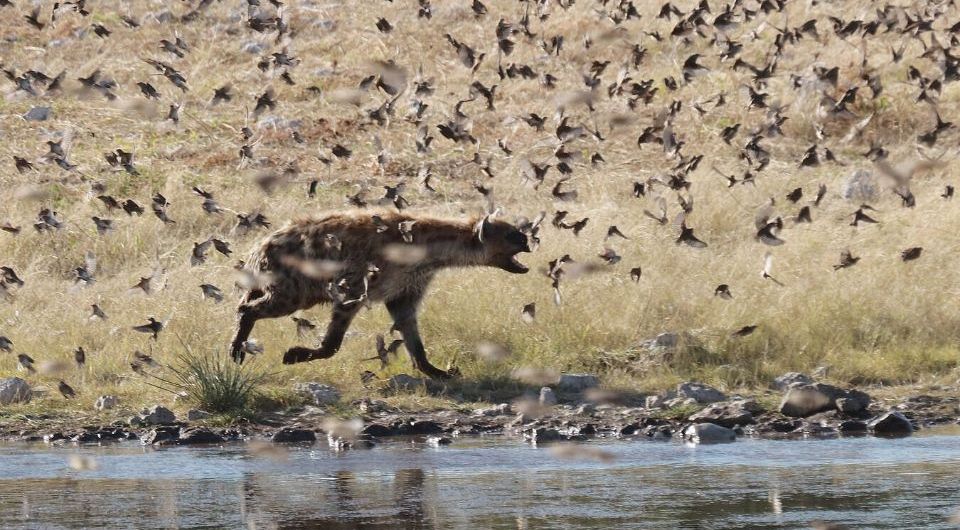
[[501, 242]]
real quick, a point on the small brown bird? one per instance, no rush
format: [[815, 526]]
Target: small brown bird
[[846, 260], [687, 237], [635, 274], [614, 231], [723, 291], [304, 326], [744, 331], [860, 216], [767, 267], [25, 362], [143, 359], [212, 292], [153, 327], [9, 276], [529, 313], [610, 256], [96, 313], [383, 351], [911, 253], [80, 357], [66, 390]]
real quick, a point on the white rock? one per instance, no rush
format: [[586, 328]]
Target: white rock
[[14, 390], [547, 397], [254, 47], [503, 409], [700, 392], [708, 433], [320, 393], [861, 186], [106, 402], [662, 341], [789, 379]]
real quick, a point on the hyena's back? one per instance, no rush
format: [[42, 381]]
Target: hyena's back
[[352, 242], [353, 258]]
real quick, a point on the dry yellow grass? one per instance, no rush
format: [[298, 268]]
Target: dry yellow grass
[[880, 321]]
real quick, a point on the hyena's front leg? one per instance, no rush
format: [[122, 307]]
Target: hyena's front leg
[[404, 313], [339, 323]]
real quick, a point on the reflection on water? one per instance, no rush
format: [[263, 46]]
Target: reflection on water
[[483, 483]]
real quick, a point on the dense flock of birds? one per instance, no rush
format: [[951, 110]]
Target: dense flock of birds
[[593, 74]]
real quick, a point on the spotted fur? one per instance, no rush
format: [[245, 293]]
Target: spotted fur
[[352, 259]]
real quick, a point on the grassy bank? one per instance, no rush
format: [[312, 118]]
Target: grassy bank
[[883, 321]]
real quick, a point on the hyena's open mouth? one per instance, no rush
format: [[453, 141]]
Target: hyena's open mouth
[[512, 264]]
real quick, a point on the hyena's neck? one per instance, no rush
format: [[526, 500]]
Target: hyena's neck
[[449, 243]]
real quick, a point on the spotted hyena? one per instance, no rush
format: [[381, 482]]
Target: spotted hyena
[[351, 259]]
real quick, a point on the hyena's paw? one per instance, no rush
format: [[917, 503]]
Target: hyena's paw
[[436, 373], [238, 356], [298, 354]]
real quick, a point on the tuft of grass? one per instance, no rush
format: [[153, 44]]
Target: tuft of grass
[[216, 383]]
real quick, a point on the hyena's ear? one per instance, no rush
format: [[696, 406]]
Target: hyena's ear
[[483, 225]]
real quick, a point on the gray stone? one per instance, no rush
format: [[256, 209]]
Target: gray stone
[[547, 397], [662, 342], [319, 393], [699, 392], [861, 186], [891, 423], [373, 405], [708, 433], [162, 17], [14, 390], [748, 404], [106, 402], [271, 122], [728, 415], [848, 405], [200, 435], [157, 415], [680, 402], [293, 435], [253, 47], [659, 401], [577, 382], [801, 401], [789, 379], [325, 24], [542, 435], [852, 426], [586, 408], [37, 114], [437, 441], [502, 409], [405, 382], [197, 415], [161, 435]]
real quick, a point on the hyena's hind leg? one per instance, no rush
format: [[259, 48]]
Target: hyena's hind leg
[[340, 321], [403, 310], [256, 304]]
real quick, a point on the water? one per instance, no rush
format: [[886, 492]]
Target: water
[[489, 483]]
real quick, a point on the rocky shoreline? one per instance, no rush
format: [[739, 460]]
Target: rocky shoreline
[[572, 410]]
